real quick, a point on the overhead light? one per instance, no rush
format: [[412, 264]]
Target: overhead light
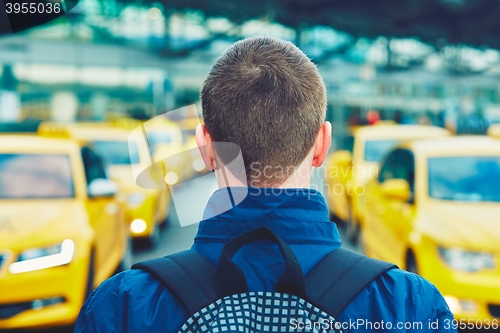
[[154, 13]]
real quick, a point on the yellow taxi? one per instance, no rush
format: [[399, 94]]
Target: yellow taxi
[[62, 231], [194, 161], [347, 173], [165, 138], [164, 141], [146, 208], [434, 210]]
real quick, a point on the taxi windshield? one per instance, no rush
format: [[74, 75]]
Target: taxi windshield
[[187, 134], [471, 178], [158, 137], [117, 152], [31, 176], [376, 150]]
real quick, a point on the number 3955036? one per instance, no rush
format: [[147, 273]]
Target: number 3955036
[[33, 8]]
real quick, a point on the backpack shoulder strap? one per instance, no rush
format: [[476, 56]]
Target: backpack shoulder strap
[[339, 277], [188, 275]]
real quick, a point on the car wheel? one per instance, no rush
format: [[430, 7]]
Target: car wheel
[[352, 229], [334, 218], [154, 239], [166, 221], [411, 263], [172, 219], [361, 246], [90, 276], [127, 259]]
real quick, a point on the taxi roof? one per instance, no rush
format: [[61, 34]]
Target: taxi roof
[[190, 123], [389, 131], [91, 131], [160, 121], [35, 144], [456, 145], [84, 131]]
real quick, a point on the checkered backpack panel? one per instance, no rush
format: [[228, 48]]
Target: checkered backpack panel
[[255, 312]]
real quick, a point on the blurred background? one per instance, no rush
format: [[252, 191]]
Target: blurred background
[[120, 63], [432, 61]]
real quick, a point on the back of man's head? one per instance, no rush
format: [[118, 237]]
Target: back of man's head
[[265, 95]]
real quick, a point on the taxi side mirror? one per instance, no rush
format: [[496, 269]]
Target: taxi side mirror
[[397, 189], [102, 188]]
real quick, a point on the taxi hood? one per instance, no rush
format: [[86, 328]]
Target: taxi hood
[[472, 225], [32, 222], [122, 174]]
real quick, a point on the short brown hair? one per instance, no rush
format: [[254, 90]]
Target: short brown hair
[[266, 96]]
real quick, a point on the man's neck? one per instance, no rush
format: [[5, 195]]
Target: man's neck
[[300, 178]]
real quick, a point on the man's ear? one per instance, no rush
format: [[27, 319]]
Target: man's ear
[[204, 142], [322, 144]]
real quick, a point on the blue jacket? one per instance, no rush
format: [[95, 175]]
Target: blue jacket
[[133, 301]]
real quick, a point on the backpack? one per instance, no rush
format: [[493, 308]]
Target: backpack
[[217, 299]]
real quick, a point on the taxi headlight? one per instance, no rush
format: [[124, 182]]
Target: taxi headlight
[[467, 261], [136, 199], [41, 258]]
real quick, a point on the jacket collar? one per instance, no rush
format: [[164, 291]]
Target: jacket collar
[[298, 215]]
